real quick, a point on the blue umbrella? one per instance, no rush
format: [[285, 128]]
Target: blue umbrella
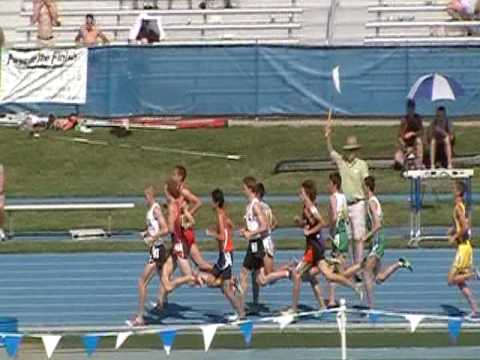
[[435, 87]]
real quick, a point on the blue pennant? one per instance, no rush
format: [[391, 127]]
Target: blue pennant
[[454, 326], [168, 337], [90, 342], [247, 330], [373, 317], [12, 343]]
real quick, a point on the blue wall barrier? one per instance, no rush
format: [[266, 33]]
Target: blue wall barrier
[[263, 80]]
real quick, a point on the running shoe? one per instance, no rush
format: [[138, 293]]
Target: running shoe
[[2, 235], [289, 311], [135, 322], [359, 291], [235, 317], [404, 263]]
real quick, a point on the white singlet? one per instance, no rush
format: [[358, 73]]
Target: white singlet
[[267, 240], [250, 218], [153, 226]]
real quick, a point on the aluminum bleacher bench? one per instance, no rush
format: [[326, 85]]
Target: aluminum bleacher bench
[[11, 209], [406, 8], [410, 24], [422, 40]]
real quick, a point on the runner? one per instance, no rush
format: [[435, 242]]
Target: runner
[[2, 203], [221, 276], [268, 244], [256, 228], [152, 236], [194, 203], [372, 264], [340, 231], [462, 268], [313, 262], [177, 210]]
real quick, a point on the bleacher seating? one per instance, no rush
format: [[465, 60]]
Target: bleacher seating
[[279, 22], [413, 22]]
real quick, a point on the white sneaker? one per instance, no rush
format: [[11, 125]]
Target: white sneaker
[[233, 318], [3, 237], [359, 291]]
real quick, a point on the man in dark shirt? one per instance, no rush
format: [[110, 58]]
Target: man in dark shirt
[[410, 144]]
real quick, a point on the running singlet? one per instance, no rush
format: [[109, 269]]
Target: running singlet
[[153, 227], [223, 267], [464, 257], [188, 230], [156, 249], [341, 230], [378, 242], [315, 249], [255, 252], [177, 235]]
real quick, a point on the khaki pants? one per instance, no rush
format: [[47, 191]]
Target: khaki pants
[[358, 219]]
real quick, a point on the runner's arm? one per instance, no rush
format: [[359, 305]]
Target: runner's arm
[[377, 225], [102, 37], [462, 219], [157, 212], [193, 200]]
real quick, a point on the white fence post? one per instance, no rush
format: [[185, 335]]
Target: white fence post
[[342, 328]]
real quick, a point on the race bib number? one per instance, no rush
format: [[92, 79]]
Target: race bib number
[[254, 246], [178, 247], [155, 253]]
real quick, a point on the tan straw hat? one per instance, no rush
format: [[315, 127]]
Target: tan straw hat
[[352, 143]]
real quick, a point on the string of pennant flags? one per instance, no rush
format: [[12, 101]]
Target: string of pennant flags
[[91, 340]]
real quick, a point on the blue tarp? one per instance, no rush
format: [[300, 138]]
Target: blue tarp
[[264, 80]]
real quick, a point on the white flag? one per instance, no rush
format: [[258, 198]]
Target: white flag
[[284, 321], [50, 343], [121, 338], [336, 78], [414, 320], [208, 332]]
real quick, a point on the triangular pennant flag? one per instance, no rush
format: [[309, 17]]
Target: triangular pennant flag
[[50, 343], [121, 338], [284, 321], [454, 326], [336, 78], [90, 342], [168, 338], [373, 317], [247, 330], [12, 343], [414, 320], [208, 332]]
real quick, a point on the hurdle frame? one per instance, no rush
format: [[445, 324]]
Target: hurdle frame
[[416, 199]]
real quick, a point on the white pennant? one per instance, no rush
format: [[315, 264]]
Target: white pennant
[[336, 78], [50, 343], [208, 332], [121, 338], [284, 321], [167, 348], [414, 320]]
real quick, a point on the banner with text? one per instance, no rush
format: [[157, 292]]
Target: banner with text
[[46, 76]]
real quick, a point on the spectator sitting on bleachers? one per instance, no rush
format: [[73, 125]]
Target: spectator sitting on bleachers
[[89, 33], [146, 30], [464, 9], [441, 140], [45, 14], [410, 145], [141, 4], [227, 4]]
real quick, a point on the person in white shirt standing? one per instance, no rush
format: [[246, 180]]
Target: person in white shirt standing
[[353, 171]]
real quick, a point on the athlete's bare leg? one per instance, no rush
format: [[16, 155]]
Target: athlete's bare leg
[[297, 283], [244, 272], [467, 292], [457, 279], [368, 278], [268, 264], [255, 288], [235, 302], [198, 259], [331, 276], [148, 272], [316, 288], [264, 279], [386, 273], [187, 277]]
